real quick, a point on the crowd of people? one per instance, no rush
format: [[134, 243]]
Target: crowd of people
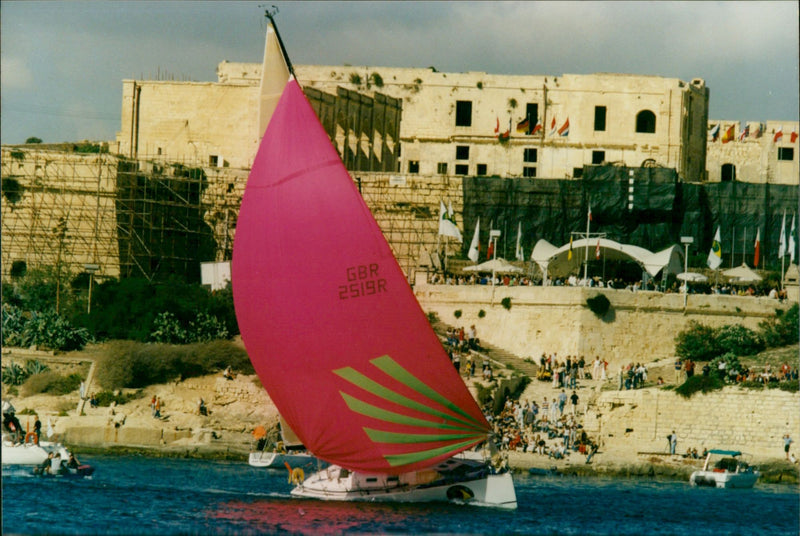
[[685, 368]]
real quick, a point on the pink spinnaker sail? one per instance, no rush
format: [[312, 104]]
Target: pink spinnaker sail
[[330, 323]]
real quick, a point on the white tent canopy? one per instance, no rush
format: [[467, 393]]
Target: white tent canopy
[[498, 265], [742, 274], [555, 259]]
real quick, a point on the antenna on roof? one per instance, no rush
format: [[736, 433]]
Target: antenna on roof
[[270, 14]]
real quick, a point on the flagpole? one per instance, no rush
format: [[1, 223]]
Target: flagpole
[[744, 246], [586, 249], [733, 245]]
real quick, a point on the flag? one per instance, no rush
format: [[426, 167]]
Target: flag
[[715, 132], [782, 241], [497, 127], [475, 246], [507, 134], [490, 249], [715, 255], [553, 126], [759, 131], [590, 212], [597, 250], [791, 241], [744, 133], [778, 135], [537, 127], [447, 224], [569, 255], [728, 136], [524, 126], [50, 431], [564, 130], [757, 254], [793, 136], [520, 254]]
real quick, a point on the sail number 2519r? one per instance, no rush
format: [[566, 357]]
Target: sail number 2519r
[[362, 280]]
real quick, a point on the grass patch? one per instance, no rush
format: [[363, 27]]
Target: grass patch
[[51, 383]]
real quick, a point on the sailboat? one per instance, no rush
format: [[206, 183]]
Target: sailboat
[[338, 338]]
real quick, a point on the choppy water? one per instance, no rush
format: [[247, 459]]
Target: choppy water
[[137, 495]]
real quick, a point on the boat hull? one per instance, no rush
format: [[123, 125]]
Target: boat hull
[[495, 490], [276, 460], [30, 453], [725, 479]]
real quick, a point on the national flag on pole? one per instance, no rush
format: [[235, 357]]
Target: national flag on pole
[[507, 134], [520, 254], [490, 249], [793, 136], [447, 223], [590, 212], [728, 136], [778, 135], [475, 246], [524, 126], [744, 133], [759, 131], [791, 241], [553, 126], [757, 254], [537, 127], [564, 130], [569, 255], [715, 132], [715, 255], [597, 250], [782, 241]]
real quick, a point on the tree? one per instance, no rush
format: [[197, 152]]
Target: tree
[[33, 139]]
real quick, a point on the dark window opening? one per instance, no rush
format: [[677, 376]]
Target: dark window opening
[[413, 166], [646, 122], [212, 160], [529, 155], [785, 153], [529, 171], [598, 157], [462, 152], [441, 168], [462, 169], [728, 173], [481, 170], [577, 172], [463, 113], [532, 113], [600, 118], [18, 269]]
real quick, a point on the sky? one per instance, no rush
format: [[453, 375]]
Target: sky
[[62, 63]]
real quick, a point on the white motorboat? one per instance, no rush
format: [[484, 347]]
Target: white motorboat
[[31, 452], [336, 334], [725, 469]]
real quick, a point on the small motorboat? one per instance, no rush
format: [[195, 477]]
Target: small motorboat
[[725, 469], [30, 452]]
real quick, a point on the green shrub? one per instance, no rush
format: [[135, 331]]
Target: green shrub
[[105, 398], [782, 330], [598, 304], [481, 313], [34, 366], [49, 330], [701, 383], [457, 313], [167, 329], [433, 317], [731, 364], [51, 383], [506, 303], [697, 342], [738, 339], [13, 374], [13, 325], [206, 328], [129, 364], [791, 386]]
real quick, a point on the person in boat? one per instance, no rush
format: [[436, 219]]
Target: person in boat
[[44, 467], [73, 462], [55, 464]]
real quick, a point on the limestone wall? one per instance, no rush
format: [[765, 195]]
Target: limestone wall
[[639, 326], [733, 418]]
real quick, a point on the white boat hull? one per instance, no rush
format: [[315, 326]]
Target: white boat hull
[[276, 460], [336, 484], [724, 479], [30, 453]]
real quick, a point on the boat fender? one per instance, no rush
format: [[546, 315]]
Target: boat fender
[[298, 476], [31, 437]]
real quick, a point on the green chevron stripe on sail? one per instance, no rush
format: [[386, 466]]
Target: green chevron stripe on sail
[[420, 456], [393, 369], [381, 436], [371, 386], [364, 408]]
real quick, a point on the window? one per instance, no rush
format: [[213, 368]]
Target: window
[[728, 173], [532, 113], [529, 171], [463, 113], [462, 169], [577, 172], [413, 166], [785, 153], [600, 118], [646, 122], [159, 150], [481, 170], [529, 155], [462, 152], [598, 157], [212, 160], [441, 168]]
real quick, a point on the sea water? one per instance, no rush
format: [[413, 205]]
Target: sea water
[[138, 495]]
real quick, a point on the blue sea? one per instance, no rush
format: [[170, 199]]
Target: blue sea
[[131, 495]]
